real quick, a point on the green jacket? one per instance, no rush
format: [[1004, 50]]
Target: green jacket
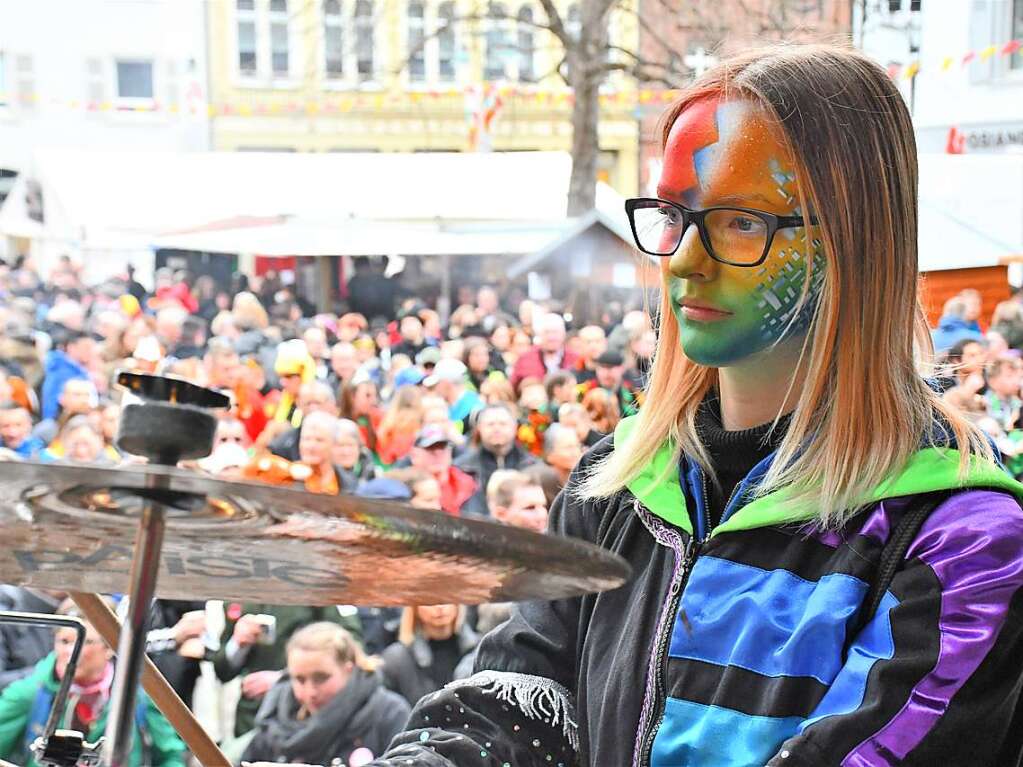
[[25, 704]]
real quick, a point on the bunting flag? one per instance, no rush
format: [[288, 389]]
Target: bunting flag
[[911, 70]]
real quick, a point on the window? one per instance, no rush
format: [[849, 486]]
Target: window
[[3, 82], [1016, 33], [914, 5], [416, 41], [135, 79], [246, 19], [279, 59], [526, 49], [446, 46], [364, 39], [894, 6], [333, 39], [497, 44]]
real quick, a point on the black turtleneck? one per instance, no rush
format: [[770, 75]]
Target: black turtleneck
[[732, 453]]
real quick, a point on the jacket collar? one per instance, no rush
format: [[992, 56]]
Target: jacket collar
[[930, 469]]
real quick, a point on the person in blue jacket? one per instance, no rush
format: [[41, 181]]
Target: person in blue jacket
[[63, 364], [786, 433], [25, 705]]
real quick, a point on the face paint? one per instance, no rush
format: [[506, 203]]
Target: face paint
[[726, 153]]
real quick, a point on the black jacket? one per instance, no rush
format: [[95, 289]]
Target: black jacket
[[480, 463], [363, 715], [406, 667], [22, 646], [181, 672]]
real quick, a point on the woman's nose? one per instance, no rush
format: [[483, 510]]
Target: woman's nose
[[691, 260]]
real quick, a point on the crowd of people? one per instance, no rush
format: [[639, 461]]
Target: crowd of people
[[983, 369], [484, 417]]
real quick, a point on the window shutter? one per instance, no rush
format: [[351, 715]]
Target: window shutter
[[95, 92], [25, 81]]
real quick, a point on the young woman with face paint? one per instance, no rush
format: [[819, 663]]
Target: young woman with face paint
[[786, 433]]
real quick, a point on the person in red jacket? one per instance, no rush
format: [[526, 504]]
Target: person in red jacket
[[431, 453], [549, 355]]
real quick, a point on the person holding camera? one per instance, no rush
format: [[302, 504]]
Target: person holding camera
[[253, 647]]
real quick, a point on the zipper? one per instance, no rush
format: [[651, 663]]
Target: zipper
[[692, 551]]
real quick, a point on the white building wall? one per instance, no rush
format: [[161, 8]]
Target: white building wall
[[59, 75], [982, 100]]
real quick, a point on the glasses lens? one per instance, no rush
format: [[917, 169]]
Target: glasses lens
[[737, 236], [659, 226]]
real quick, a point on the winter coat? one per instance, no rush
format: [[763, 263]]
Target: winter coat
[[25, 705], [182, 673], [480, 463], [531, 365], [59, 370], [363, 715], [457, 488], [22, 646], [405, 667], [951, 330], [736, 645], [269, 657]]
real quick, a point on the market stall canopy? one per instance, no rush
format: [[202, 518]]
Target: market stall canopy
[[90, 195]]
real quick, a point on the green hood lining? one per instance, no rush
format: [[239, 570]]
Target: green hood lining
[[930, 469]]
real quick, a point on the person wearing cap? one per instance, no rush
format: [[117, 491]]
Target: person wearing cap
[[431, 453], [62, 365], [294, 367], [449, 381], [610, 375]]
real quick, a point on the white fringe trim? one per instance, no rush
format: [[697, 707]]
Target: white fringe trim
[[537, 697]]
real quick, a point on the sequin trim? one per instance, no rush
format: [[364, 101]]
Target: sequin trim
[[537, 697]]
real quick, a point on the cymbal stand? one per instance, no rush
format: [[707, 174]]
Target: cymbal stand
[[56, 747], [170, 424]]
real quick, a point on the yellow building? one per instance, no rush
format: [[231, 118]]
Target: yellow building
[[393, 76]]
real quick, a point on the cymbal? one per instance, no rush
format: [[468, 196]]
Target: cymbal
[[72, 527]]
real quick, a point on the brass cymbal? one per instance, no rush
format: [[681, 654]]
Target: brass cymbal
[[72, 527]]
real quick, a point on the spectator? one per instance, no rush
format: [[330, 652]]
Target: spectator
[[1003, 392], [519, 501], [350, 455], [602, 408], [431, 453], [547, 478], [25, 704], [16, 431], [343, 365], [480, 363], [330, 706], [432, 641], [573, 415], [561, 388], [22, 646], [253, 646], [954, 326], [1007, 321], [315, 339], [401, 422], [563, 451], [174, 642], [448, 380], [593, 343], [549, 355], [313, 397], [535, 417], [73, 362], [610, 376], [360, 403], [413, 338], [632, 323], [293, 367], [370, 292], [423, 487], [494, 448], [79, 441]]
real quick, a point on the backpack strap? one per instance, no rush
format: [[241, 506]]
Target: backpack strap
[[893, 554]]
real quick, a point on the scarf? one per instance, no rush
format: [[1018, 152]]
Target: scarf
[[89, 699]]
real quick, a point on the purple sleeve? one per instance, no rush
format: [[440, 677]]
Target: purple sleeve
[[934, 677]]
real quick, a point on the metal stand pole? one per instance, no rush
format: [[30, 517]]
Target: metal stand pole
[[132, 645]]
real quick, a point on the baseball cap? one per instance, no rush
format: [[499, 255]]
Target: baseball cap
[[428, 356], [446, 370], [610, 359], [409, 376], [431, 436]]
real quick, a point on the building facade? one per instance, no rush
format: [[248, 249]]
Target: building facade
[[405, 76], [101, 73], [688, 38]]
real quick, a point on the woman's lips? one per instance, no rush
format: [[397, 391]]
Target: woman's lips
[[700, 312]]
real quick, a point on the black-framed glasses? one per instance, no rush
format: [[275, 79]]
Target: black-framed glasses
[[734, 236]]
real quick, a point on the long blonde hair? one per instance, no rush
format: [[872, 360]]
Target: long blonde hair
[[864, 408]]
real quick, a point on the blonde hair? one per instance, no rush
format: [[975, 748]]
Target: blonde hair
[[864, 407], [249, 313], [409, 626], [332, 638]]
